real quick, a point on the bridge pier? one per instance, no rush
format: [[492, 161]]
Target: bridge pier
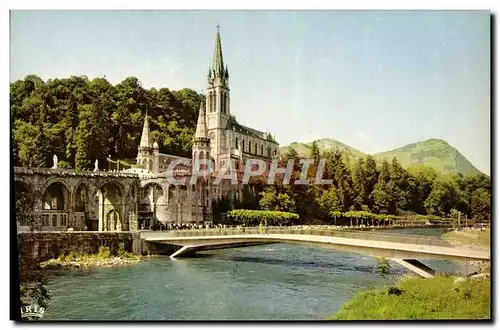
[[183, 251], [416, 266]]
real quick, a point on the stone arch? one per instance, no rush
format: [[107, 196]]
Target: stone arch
[[81, 197], [183, 204], [111, 197], [212, 162], [56, 196], [112, 220]]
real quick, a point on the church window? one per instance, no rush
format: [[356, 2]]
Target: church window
[[213, 102], [223, 102]]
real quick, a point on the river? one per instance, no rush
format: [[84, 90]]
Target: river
[[267, 282]]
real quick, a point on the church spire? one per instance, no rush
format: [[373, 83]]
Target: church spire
[[145, 134], [218, 62], [201, 127]]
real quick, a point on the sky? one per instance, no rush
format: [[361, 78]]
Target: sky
[[374, 80]]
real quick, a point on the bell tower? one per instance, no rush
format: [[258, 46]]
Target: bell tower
[[217, 102]]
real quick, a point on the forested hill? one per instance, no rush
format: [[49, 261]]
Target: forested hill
[[435, 153], [81, 120]]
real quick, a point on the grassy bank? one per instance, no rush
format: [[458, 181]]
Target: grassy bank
[[437, 298], [475, 239], [100, 259]]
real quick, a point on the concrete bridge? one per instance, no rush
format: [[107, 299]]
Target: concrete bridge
[[403, 249]]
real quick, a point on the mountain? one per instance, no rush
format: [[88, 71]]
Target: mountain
[[434, 153], [304, 149]]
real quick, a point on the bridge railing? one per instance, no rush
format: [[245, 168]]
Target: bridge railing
[[354, 234]]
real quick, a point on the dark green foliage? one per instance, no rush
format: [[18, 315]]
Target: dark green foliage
[[81, 120]]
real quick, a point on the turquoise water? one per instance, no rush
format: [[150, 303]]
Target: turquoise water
[[267, 282]]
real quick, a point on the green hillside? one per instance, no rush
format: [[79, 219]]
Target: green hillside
[[434, 153], [304, 149]]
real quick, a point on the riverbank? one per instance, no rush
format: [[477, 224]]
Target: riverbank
[[103, 258], [442, 297], [474, 240], [469, 239]]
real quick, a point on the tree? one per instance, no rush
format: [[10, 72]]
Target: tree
[[480, 204], [315, 154], [329, 202], [383, 269], [398, 187], [381, 194], [25, 215], [360, 185], [371, 179], [268, 199]]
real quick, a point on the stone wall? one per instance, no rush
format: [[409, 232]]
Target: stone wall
[[41, 246]]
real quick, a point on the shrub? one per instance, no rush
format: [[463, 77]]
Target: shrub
[[104, 252], [257, 217]]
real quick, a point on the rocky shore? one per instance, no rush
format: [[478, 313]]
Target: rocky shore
[[101, 259], [88, 263]]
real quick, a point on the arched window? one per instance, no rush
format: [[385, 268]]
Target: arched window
[[209, 102], [213, 102], [261, 150]]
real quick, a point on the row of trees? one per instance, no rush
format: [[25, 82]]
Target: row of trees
[[257, 217], [81, 120], [376, 188]]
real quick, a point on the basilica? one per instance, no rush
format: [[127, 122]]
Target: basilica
[[227, 140], [140, 197]]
